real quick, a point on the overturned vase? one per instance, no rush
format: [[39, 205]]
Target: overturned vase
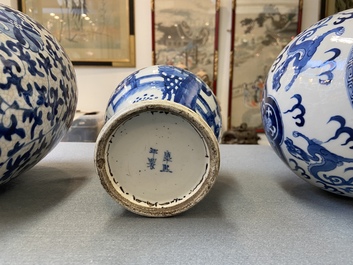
[[158, 152]]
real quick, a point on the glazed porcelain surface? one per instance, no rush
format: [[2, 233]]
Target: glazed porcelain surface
[[167, 83], [38, 92], [307, 108], [158, 152]]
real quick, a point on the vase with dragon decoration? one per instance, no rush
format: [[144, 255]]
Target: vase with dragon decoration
[[307, 109], [38, 93], [158, 152]]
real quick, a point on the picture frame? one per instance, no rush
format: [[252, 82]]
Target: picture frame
[[91, 32], [330, 7], [260, 30], [185, 34]]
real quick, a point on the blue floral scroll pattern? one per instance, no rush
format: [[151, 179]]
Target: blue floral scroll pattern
[[173, 84], [300, 52], [37, 93], [321, 163]]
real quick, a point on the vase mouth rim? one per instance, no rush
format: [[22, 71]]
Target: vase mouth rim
[[203, 131]]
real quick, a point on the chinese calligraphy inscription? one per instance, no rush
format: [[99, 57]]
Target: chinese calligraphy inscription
[[167, 158]]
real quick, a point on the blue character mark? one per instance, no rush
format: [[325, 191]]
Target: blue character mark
[[320, 161], [272, 122], [151, 164], [270, 125], [298, 106], [343, 129], [301, 51], [167, 158], [271, 118]]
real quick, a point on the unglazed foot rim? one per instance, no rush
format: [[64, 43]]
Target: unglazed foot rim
[[157, 158]]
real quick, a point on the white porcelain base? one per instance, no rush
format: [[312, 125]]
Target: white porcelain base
[[157, 159]]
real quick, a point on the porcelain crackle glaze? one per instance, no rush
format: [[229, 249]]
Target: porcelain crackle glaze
[[38, 93], [307, 109], [158, 152]]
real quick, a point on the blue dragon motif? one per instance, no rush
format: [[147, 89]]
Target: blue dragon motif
[[320, 162], [300, 52]]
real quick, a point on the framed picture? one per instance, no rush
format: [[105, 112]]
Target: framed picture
[[91, 32], [185, 34], [330, 7], [260, 30]]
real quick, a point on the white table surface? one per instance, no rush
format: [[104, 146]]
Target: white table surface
[[258, 212]]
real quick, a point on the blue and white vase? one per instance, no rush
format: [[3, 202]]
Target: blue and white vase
[[158, 153], [37, 93], [307, 108]]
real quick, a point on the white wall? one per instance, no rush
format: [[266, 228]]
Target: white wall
[[97, 83]]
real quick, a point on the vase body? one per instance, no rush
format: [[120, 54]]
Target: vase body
[[307, 109], [38, 93], [158, 153]]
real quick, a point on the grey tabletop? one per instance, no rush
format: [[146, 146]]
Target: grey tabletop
[[258, 212]]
